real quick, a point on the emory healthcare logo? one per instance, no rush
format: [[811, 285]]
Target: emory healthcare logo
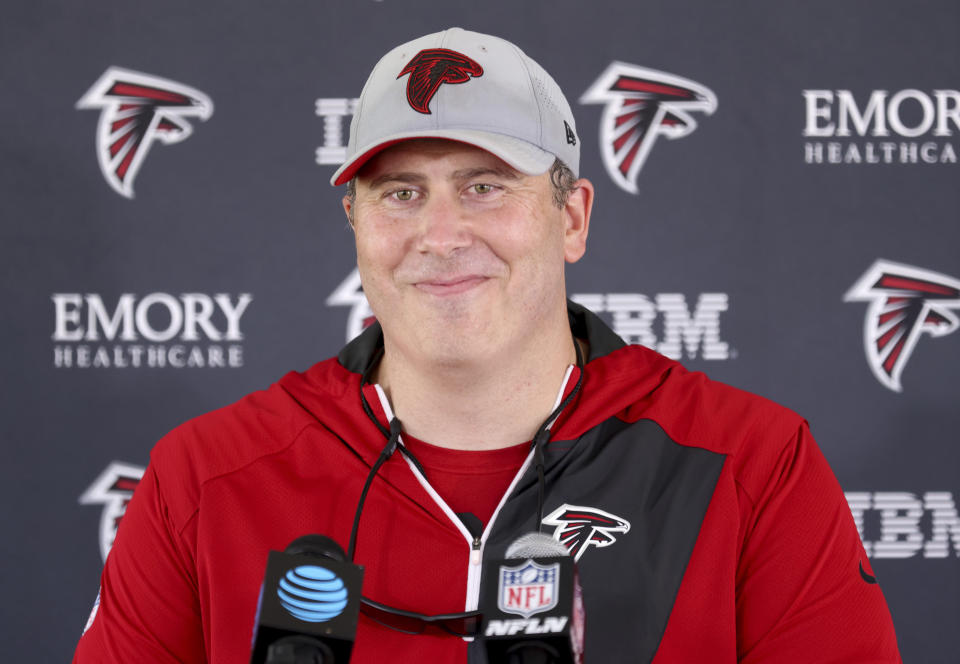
[[642, 104], [884, 128], [431, 68], [113, 489], [578, 528], [156, 330], [135, 110], [905, 302]]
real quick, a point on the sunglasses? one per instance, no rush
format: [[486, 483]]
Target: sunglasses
[[409, 622]]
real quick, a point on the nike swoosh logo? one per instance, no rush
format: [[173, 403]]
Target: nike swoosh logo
[[866, 577]]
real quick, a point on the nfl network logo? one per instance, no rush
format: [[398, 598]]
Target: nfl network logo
[[528, 589]]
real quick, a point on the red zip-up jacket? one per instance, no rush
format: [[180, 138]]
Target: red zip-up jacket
[[706, 524]]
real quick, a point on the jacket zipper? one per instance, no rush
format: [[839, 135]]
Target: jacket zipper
[[476, 544], [475, 557]]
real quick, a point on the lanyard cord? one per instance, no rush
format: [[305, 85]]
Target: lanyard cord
[[540, 439], [393, 442], [388, 450]]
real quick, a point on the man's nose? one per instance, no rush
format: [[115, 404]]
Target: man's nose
[[443, 226]]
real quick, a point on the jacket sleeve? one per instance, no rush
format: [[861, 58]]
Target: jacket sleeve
[[805, 589], [148, 607]]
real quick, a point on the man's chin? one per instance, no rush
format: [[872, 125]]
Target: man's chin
[[452, 357], [455, 342], [454, 311], [461, 328]]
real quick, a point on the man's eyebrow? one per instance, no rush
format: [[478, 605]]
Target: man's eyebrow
[[469, 173], [413, 178], [462, 174]]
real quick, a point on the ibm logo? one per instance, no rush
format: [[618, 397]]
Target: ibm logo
[[903, 525], [336, 126], [684, 334]]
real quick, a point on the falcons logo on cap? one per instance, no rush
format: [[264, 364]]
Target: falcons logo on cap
[[112, 489], [642, 104], [579, 528], [905, 302], [135, 110], [431, 68]]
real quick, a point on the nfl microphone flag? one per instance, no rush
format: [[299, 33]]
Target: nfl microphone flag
[[533, 607]]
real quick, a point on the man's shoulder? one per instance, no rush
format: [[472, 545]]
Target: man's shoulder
[[262, 423], [693, 409]]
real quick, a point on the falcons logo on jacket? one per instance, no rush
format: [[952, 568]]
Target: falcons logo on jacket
[[578, 528], [642, 104], [136, 110], [113, 489], [431, 68], [905, 302]]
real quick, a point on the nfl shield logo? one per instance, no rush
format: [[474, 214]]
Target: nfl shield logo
[[528, 588]]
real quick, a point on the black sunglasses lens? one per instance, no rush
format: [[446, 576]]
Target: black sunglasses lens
[[459, 626], [467, 624], [388, 618]]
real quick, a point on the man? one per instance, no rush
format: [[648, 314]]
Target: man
[[705, 523]]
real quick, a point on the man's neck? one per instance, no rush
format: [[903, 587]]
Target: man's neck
[[478, 405]]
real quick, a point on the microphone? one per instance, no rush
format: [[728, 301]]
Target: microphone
[[532, 604], [308, 606]]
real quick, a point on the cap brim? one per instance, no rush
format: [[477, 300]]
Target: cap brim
[[521, 155]]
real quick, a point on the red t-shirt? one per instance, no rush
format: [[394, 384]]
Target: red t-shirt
[[471, 481]]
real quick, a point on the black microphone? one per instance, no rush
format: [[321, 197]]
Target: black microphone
[[532, 604], [309, 601]]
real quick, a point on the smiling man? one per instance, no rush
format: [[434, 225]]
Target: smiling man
[[482, 405], [462, 257]]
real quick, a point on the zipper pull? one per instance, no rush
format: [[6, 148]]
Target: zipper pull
[[475, 554]]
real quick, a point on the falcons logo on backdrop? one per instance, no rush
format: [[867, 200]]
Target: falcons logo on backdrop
[[112, 489], [350, 294], [642, 104], [905, 302], [431, 68], [578, 528], [136, 110]]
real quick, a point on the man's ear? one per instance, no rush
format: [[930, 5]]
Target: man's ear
[[577, 217], [348, 205]]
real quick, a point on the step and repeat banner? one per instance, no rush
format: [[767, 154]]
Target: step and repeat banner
[[777, 206]]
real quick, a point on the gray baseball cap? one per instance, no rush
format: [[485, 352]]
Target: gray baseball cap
[[467, 87]]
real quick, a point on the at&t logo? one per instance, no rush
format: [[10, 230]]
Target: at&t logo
[[312, 593]]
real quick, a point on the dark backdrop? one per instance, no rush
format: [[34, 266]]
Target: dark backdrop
[[738, 254]]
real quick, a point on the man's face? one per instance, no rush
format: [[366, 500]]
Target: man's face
[[461, 256]]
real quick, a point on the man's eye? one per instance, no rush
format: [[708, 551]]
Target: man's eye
[[483, 188], [403, 194]]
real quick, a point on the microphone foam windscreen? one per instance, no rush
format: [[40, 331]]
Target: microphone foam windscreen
[[536, 545]]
